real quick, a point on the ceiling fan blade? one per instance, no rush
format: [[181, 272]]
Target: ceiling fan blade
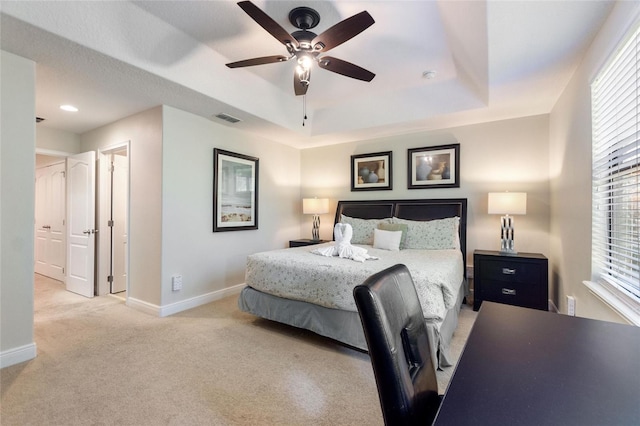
[[343, 31], [345, 68], [258, 61], [267, 23], [298, 86]]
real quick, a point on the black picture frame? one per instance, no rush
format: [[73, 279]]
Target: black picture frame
[[434, 167], [235, 191], [372, 172]]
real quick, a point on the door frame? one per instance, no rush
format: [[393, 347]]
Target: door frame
[[103, 259]]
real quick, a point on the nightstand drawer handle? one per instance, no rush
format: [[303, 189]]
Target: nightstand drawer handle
[[509, 291], [507, 271]]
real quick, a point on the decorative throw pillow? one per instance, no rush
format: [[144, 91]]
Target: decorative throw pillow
[[438, 234], [362, 228], [396, 227], [387, 240]]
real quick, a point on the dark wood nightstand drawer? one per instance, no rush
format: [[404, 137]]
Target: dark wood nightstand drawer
[[511, 293], [510, 271]]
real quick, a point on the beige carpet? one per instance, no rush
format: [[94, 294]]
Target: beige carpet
[[102, 363]]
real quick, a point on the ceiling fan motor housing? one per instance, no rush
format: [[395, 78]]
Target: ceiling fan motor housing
[[304, 17]]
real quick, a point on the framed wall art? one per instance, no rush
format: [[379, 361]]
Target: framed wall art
[[235, 191], [371, 172], [434, 167]]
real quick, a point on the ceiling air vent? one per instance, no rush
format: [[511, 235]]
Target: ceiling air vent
[[227, 117], [39, 119]]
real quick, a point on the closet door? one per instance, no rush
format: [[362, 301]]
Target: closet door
[[50, 235]]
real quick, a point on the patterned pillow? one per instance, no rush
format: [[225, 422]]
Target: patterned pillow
[[362, 228], [396, 227], [438, 234]]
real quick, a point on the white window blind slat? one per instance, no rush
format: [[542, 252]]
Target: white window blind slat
[[616, 171]]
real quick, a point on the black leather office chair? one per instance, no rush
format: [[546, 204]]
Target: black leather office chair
[[398, 344]]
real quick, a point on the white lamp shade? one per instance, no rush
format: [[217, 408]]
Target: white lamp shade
[[507, 203], [315, 205]]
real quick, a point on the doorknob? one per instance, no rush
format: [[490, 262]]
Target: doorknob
[[46, 227], [90, 231]]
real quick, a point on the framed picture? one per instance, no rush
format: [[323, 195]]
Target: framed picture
[[371, 172], [434, 167], [235, 191]]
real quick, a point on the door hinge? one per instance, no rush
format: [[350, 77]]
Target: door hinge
[[112, 168], [110, 279], [110, 223], [62, 271], [64, 175]]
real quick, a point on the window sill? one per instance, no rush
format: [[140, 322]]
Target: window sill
[[615, 301]]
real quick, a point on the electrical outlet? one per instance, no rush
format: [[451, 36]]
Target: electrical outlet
[[176, 283], [571, 306]]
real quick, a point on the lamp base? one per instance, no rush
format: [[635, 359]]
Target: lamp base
[[315, 232], [508, 253]]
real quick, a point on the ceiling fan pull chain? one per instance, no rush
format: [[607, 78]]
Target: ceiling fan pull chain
[[304, 108]]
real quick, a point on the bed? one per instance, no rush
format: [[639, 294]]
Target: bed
[[305, 290]]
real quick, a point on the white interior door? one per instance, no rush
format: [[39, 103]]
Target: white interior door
[[119, 217], [81, 201], [50, 249]]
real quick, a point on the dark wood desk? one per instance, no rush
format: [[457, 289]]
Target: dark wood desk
[[523, 366]]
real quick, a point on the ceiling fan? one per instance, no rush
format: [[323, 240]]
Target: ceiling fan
[[306, 46]]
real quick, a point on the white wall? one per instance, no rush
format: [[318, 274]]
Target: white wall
[[570, 171], [210, 262], [505, 155], [144, 130], [17, 189]]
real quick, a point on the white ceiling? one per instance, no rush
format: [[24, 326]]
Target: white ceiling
[[493, 60]]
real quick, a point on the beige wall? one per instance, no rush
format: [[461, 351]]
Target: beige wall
[[210, 262], [144, 131], [17, 194], [570, 171], [506, 155], [50, 141]]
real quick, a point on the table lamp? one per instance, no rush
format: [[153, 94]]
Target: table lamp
[[506, 204], [316, 207]]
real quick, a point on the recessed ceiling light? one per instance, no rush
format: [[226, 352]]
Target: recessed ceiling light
[[69, 108]]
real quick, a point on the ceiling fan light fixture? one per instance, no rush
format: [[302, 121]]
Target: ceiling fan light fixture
[[305, 62]]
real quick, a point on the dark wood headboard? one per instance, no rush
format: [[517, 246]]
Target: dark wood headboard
[[412, 210]]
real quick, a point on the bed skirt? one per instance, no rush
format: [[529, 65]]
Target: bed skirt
[[344, 326]]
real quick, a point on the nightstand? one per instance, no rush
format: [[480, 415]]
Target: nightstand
[[305, 242], [520, 280]]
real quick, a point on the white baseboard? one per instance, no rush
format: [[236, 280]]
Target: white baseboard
[[18, 355], [183, 305], [552, 306]]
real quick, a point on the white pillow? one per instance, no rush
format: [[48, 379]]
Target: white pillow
[[387, 240]]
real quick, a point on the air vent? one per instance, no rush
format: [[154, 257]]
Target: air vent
[[227, 117], [39, 119]]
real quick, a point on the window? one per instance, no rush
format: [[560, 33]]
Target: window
[[616, 179]]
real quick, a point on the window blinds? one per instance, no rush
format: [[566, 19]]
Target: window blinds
[[616, 170]]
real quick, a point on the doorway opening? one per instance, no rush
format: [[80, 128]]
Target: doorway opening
[[113, 261]]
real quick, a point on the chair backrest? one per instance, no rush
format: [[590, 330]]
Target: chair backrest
[[398, 344]]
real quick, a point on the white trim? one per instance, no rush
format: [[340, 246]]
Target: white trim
[[18, 355], [183, 305], [142, 306], [52, 152], [203, 299], [614, 302]]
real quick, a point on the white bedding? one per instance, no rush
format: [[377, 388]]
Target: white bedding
[[297, 274]]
